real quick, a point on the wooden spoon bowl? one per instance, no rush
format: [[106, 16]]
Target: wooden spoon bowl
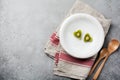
[[113, 45]]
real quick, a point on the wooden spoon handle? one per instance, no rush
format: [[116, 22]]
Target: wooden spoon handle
[[99, 69], [93, 68]]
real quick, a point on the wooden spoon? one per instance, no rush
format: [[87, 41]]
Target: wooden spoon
[[102, 56], [112, 47]]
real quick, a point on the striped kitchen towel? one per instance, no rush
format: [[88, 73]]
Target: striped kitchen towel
[[65, 65]]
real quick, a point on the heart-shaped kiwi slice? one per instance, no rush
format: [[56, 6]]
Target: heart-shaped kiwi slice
[[78, 34], [88, 38]]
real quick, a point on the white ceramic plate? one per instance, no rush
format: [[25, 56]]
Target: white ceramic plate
[[78, 48]]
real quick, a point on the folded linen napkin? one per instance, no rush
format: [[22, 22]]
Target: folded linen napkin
[[66, 65]]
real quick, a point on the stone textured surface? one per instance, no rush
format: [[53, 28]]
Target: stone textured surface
[[25, 26]]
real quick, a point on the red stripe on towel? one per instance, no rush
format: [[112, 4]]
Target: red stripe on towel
[[56, 58], [86, 62], [54, 39]]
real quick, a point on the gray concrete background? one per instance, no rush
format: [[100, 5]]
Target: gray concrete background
[[25, 26]]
